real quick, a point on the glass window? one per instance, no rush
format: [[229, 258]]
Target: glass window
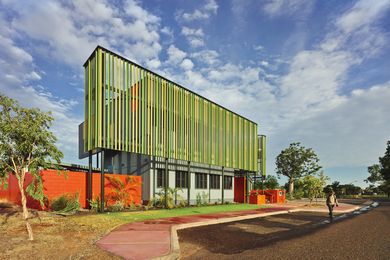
[[227, 182], [200, 181], [181, 179], [214, 181], [160, 178]]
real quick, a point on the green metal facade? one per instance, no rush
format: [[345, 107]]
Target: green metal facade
[[131, 109]]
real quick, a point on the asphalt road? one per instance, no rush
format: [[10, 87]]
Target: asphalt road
[[297, 235]]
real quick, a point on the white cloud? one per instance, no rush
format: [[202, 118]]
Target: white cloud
[[175, 55], [363, 13], [187, 64], [209, 57], [194, 36], [350, 134], [288, 7], [258, 47], [192, 32], [205, 12], [195, 42], [17, 69], [70, 31]]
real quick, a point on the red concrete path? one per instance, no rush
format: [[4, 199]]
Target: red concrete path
[[152, 238]]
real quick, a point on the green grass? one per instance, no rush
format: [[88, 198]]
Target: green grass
[[111, 219]]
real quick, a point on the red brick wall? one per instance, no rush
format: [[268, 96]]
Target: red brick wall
[[67, 182]]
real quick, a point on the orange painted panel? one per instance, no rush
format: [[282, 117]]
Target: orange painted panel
[[69, 183]]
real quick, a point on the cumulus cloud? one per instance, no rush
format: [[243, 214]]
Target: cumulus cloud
[[206, 11], [193, 36], [17, 70], [175, 55], [187, 64], [209, 57], [67, 32], [71, 30]]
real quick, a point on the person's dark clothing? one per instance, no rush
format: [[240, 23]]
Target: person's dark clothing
[[331, 200]]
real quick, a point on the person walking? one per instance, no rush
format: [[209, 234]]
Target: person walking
[[331, 201]]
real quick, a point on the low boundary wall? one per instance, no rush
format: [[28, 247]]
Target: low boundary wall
[[68, 182]]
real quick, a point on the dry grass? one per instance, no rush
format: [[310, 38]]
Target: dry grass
[[56, 237], [74, 237]]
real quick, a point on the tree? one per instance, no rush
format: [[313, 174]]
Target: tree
[[375, 174], [270, 183], [313, 186], [295, 162], [26, 146], [380, 173]]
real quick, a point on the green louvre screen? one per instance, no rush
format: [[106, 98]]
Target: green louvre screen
[[131, 109]]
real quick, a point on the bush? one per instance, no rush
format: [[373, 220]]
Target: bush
[[95, 204], [117, 206], [173, 199], [66, 204]]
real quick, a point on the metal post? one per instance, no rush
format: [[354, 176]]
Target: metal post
[[153, 164], [223, 184], [89, 179], [102, 182], [166, 182], [189, 183], [97, 160], [247, 188], [208, 176]]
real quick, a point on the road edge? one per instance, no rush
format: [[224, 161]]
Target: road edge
[[175, 246]]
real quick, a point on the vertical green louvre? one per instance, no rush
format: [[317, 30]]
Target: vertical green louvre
[[128, 108]]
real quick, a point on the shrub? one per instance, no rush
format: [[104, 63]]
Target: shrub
[[95, 204], [172, 198], [117, 206], [66, 204]]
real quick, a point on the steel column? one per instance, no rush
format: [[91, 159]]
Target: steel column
[[166, 182], [223, 184], [89, 179], [102, 181], [189, 183]]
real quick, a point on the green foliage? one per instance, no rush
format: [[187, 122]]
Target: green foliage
[[375, 174], [117, 206], [270, 183], [26, 144], [170, 198], [66, 204], [295, 162], [313, 186], [95, 204], [380, 173], [202, 199]]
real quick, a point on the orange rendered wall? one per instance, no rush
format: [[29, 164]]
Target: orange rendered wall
[[68, 183]]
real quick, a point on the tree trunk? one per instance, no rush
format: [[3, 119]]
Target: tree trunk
[[24, 203], [291, 186]]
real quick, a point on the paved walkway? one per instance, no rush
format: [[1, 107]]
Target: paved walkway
[[158, 238]]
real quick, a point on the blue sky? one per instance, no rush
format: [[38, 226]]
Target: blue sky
[[317, 72]]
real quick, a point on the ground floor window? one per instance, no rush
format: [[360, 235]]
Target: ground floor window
[[214, 181], [181, 179], [160, 178], [227, 182], [200, 181]]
